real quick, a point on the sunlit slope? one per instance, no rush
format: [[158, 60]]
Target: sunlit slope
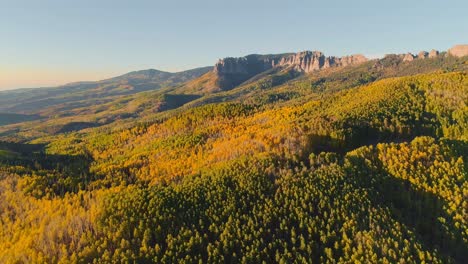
[[364, 173], [389, 110]]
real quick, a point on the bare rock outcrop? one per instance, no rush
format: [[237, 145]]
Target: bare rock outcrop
[[459, 50], [233, 71], [305, 61], [408, 57], [433, 53], [422, 54], [308, 61], [351, 60], [243, 65]]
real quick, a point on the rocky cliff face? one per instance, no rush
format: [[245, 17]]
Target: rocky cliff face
[[458, 50], [308, 61], [421, 55], [233, 71], [433, 53], [243, 65], [408, 57]]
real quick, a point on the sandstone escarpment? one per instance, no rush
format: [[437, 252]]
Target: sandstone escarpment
[[234, 71], [308, 61], [305, 61], [458, 50], [243, 65], [408, 57], [433, 53], [421, 55]]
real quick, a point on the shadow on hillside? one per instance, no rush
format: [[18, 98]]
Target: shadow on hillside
[[423, 212], [22, 148], [73, 126], [59, 173], [325, 143], [457, 148], [172, 101], [11, 118], [357, 135], [33, 156]]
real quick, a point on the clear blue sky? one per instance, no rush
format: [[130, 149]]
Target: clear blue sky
[[50, 42]]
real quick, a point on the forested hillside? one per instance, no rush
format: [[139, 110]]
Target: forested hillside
[[361, 164]]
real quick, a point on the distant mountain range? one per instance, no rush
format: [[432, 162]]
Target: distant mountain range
[[31, 100]]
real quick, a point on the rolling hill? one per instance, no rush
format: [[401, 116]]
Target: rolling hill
[[85, 94]]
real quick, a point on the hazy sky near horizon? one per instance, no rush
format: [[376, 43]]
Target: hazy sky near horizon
[[52, 42]]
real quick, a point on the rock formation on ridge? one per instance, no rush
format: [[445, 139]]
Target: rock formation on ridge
[[234, 71], [458, 50], [433, 53], [408, 57]]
